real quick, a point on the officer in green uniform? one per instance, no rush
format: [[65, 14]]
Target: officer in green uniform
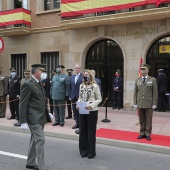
[[145, 99], [32, 109], [26, 78], [59, 92], [3, 93]]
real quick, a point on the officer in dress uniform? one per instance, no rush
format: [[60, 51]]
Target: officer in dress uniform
[[14, 92], [98, 81], [145, 99], [3, 93], [59, 92], [117, 90], [27, 76], [162, 82], [70, 72]]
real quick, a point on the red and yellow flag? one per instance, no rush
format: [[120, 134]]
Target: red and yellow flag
[[139, 72], [15, 16], [81, 7]]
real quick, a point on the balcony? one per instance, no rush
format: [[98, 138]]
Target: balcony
[[15, 22], [130, 15]]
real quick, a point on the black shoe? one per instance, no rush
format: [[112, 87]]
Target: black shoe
[[2, 116], [68, 117], [118, 108], [83, 155], [75, 127], [17, 124], [61, 124], [91, 156], [77, 131], [10, 118], [141, 136], [114, 107], [35, 167], [148, 138], [55, 124]]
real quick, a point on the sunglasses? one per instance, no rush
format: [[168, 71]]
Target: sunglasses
[[142, 68]]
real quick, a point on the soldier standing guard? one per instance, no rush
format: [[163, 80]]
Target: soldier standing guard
[[26, 78], [69, 71], [145, 99], [14, 92], [3, 93]]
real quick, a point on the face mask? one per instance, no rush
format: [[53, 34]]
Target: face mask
[[69, 74], [58, 71], [13, 74], [116, 75], [43, 76], [86, 78]]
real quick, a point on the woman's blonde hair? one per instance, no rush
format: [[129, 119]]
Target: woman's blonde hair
[[92, 81]]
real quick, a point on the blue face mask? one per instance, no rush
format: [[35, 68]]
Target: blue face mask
[[58, 71], [13, 74]]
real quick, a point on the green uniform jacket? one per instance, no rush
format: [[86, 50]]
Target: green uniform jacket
[[145, 94], [3, 85], [32, 106]]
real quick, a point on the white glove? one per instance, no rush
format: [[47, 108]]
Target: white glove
[[7, 96], [24, 126], [135, 106], [51, 116], [154, 107], [17, 95]]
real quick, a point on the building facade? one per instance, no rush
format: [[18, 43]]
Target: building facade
[[103, 42]]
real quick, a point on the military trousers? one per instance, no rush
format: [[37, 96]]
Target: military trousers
[[145, 120], [87, 137], [2, 106], [59, 110], [14, 107], [36, 147], [69, 109]]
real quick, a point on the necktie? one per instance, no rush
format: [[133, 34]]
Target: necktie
[[144, 80], [76, 78]]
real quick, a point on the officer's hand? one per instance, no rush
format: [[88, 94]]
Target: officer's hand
[[24, 126], [66, 98], [154, 107], [135, 106], [17, 95], [7, 96], [51, 116], [70, 99], [77, 108]]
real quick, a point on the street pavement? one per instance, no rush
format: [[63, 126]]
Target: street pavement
[[119, 120]]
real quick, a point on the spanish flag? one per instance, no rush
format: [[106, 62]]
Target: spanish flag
[[81, 7], [15, 16], [164, 49]]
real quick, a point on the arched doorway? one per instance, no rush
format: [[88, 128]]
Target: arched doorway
[[158, 57], [105, 57]]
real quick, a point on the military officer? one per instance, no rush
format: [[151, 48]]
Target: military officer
[[145, 99], [70, 72], [32, 109], [59, 93], [3, 93], [14, 92], [27, 76]]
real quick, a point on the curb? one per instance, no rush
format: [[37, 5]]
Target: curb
[[117, 143]]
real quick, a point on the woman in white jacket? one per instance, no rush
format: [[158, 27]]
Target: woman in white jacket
[[90, 93]]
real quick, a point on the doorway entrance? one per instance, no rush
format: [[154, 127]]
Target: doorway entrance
[[105, 57]]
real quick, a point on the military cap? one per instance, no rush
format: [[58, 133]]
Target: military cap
[[39, 66], [12, 69], [60, 66], [145, 66], [161, 70], [53, 72], [26, 71], [69, 70], [118, 71]]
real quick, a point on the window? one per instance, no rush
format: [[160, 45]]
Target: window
[[51, 4], [19, 62], [21, 4], [51, 59]]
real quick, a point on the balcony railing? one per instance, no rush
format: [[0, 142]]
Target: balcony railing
[[14, 22]]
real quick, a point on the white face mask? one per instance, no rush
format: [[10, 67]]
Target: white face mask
[[13, 74], [43, 76]]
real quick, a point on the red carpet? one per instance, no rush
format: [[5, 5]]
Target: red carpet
[[132, 137]]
